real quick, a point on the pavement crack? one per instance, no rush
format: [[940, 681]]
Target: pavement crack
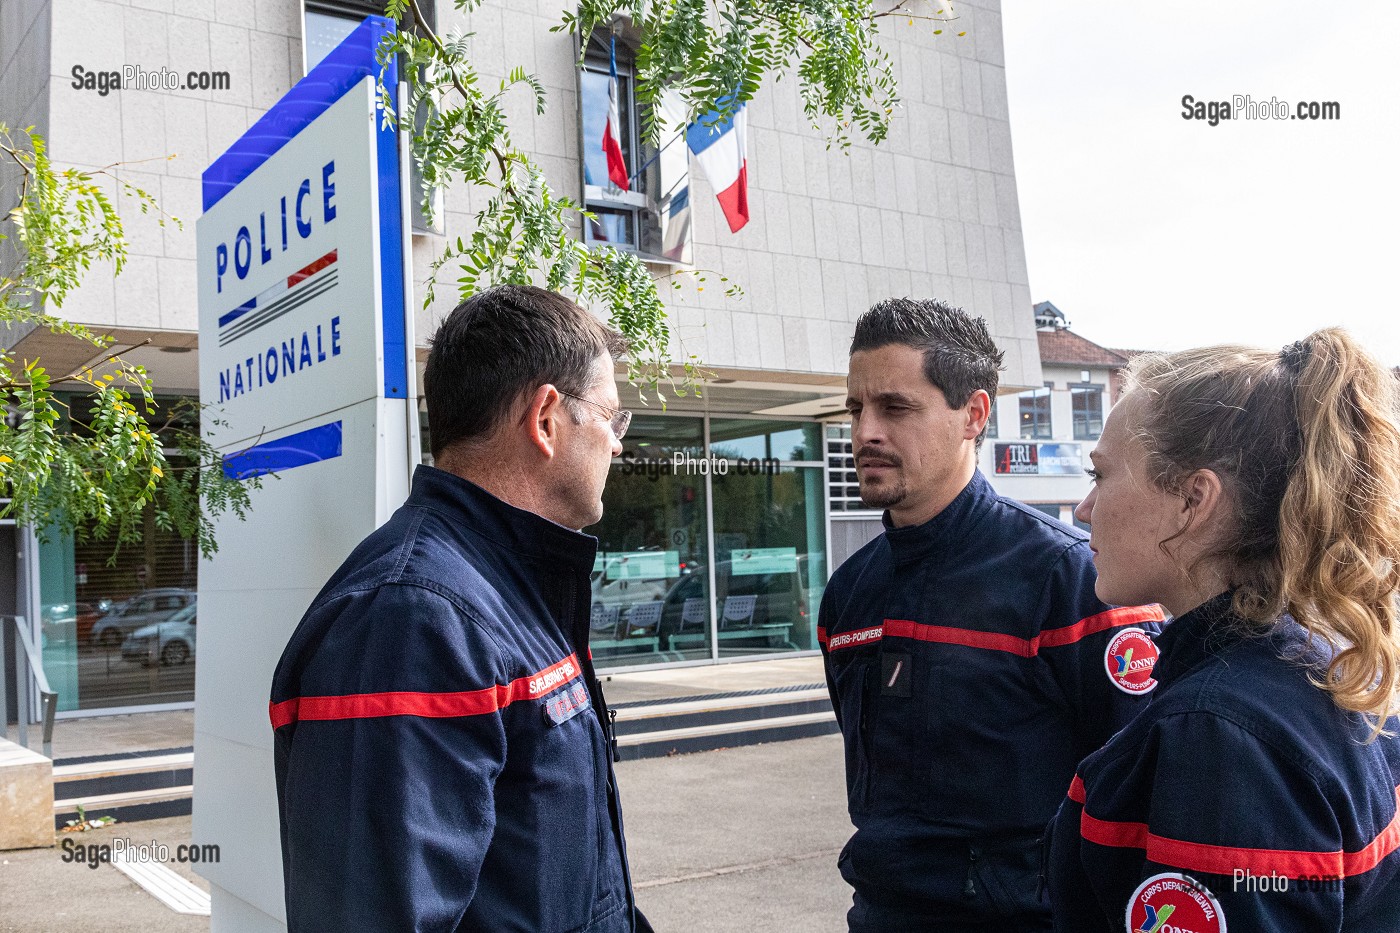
[[735, 869]]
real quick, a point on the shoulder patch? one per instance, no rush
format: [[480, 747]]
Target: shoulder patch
[[1129, 659], [1170, 902]]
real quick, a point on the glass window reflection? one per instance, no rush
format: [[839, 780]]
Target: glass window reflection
[[753, 439]]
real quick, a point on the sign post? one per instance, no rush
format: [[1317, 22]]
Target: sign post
[[306, 341]]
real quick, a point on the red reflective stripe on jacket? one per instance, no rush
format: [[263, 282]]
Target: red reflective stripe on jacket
[[1076, 790], [1225, 860], [1386, 842], [1024, 647], [947, 635], [431, 705], [1109, 618]]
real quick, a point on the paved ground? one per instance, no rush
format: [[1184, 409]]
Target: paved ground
[[40, 893], [740, 840], [735, 840]]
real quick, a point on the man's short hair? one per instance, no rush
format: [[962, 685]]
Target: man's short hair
[[959, 355], [500, 345]]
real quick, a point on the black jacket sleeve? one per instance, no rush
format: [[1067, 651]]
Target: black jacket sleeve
[[385, 786], [1074, 639]]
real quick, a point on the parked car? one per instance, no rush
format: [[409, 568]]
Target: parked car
[[70, 622], [780, 598], [141, 610], [171, 642]]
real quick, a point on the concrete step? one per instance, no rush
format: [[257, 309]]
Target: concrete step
[[702, 723], [131, 786]]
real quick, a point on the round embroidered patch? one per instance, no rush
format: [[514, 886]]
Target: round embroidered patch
[[1129, 659], [1169, 903]]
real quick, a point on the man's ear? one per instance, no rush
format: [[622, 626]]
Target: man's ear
[[977, 410], [540, 421]]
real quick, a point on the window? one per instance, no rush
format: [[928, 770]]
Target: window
[[1035, 414], [843, 488], [992, 420], [118, 622], [652, 214], [327, 24], [1087, 408]]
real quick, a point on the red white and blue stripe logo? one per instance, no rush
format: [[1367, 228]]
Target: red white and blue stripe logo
[[308, 282]]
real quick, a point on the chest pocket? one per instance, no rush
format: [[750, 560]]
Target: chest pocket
[[909, 709], [854, 672]]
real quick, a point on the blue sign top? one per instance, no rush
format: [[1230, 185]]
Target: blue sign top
[[346, 66]]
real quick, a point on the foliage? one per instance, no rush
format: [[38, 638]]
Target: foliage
[[95, 471], [714, 54]]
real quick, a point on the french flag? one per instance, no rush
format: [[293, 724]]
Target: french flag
[[612, 132], [722, 152]]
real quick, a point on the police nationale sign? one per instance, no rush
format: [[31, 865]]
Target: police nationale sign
[[290, 304], [304, 339]]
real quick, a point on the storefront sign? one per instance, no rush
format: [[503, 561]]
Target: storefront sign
[[1038, 459], [763, 560], [638, 565], [1061, 460]]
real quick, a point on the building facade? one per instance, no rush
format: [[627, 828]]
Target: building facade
[[720, 527]]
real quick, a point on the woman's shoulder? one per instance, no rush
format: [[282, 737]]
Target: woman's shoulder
[[1257, 706]]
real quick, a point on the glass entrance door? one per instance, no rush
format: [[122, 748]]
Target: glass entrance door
[[650, 591]]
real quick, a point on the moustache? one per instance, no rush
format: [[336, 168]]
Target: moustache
[[868, 457]]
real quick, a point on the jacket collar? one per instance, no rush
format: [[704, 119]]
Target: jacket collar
[[1198, 635], [523, 532], [946, 529]]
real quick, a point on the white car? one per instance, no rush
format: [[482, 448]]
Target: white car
[[141, 610], [171, 642]]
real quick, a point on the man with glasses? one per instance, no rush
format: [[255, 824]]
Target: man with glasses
[[443, 749]]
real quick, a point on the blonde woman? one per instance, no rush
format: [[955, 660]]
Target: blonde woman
[[1256, 495]]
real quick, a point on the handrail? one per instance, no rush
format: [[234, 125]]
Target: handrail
[[48, 699]]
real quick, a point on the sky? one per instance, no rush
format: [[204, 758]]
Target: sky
[[1154, 232]]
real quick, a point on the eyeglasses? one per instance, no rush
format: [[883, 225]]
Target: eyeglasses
[[621, 418]]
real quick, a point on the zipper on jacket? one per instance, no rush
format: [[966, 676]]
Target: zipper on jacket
[[867, 747], [606, 720]]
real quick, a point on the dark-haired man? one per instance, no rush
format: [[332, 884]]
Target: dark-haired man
[[442, 746], [966, 653]]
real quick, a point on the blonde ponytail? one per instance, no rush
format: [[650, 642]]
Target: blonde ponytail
[[1339, 529]]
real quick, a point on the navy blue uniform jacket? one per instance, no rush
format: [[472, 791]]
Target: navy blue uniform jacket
[[443, 760], [1240, 773], [966, 661]]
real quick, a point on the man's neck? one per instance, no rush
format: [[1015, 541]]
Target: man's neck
[[511, 484]]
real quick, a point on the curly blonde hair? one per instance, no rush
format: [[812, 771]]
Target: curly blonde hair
[[1306, 445]]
